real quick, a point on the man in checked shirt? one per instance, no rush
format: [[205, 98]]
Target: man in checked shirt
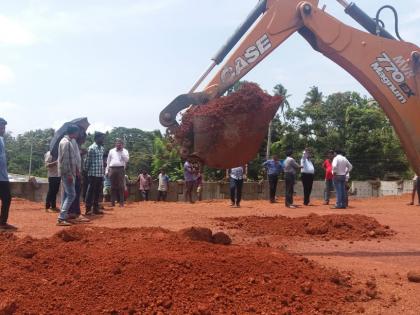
[[94, 167]]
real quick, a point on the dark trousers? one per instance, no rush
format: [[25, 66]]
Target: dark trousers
[[93, 193], [145, 195], [272, 181], [329, 187], [290, 184], [6, 200], [162, 195], [189, 187], [236, 190], [307, 182], [75, 206], [340, 190], [418, 189], [84, 186], [117, 176], [53, 188]]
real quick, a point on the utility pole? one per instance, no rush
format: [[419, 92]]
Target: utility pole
[[267, 153], [30, 160]]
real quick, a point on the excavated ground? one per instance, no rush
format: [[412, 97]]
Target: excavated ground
[[333, 226], [116, 265]]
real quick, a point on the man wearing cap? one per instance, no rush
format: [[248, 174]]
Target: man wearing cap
[[69, 165], [94, 168], [5, 194]]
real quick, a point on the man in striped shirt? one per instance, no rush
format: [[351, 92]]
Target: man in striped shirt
[[94, 168]]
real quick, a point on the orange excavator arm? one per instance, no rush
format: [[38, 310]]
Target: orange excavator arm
[[388, 68]]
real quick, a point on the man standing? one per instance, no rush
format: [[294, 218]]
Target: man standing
[[273, 168], [163, 186], [74, 212], [145, 183], [340, 167], [189, 178], [5, 194], [416, 188], [290, 168], [94, 168], [53, 182], [237, 176], [307, 175], [199, 185], [116, 164], [69, 169], [328, 177]]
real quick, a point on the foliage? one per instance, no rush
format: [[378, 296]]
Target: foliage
[[165, 157]]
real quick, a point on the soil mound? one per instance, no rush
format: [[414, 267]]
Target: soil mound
[[69, 235], [153, 271], [340, 227], [198, 234], [221, 238], [206, 235]]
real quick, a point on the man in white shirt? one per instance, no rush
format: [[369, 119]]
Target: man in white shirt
[[53, 182], [340, 168], [307, 175], [416, 188], [163, 186], [237, 176], [116, 164], [290, 168]]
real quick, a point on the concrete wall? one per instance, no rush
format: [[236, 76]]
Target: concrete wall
[[220, 190]]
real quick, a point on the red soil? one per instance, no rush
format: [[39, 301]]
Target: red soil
[[250, 98], [90, 270], [339, 227]]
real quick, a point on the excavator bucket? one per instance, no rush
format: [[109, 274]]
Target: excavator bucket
[[234, 140], [228, 131]]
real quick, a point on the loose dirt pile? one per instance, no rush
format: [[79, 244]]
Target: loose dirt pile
[[84, 270], [250, 98], [339, 227], [215, 132]]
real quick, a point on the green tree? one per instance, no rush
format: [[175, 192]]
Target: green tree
[[167, 158]]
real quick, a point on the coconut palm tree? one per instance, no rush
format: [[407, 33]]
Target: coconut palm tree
[[314, 97]]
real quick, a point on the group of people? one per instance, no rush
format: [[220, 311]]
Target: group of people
[[337, 169], [145, 182], [82, 174]]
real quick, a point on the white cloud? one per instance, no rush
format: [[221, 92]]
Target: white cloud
[[413, 17], [6, 74], [47, 20], [57, 124], [6, 105], [13, 32], [99, 126]]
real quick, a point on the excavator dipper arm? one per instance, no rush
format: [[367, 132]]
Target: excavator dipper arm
[[387, 68]]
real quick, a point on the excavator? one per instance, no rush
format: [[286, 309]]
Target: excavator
[[387, 66]]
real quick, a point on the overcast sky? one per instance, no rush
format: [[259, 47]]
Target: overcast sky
[[121, 62]]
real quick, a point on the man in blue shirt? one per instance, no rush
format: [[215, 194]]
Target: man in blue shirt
[[273, 167], [5, 194]]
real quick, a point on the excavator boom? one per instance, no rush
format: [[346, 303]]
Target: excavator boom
[[388, 68]]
